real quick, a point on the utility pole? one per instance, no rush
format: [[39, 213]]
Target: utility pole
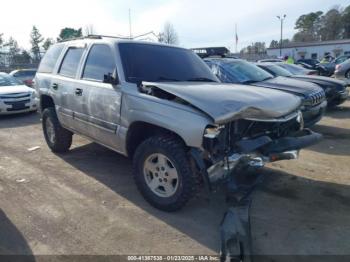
[[281, 18], [130, 33], [236, 39]]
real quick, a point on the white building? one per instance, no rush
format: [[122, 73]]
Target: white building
[[316, 50]]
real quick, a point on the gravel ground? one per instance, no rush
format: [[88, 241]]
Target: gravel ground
[[85, 202]]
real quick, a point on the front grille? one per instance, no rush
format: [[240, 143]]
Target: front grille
[[252, 129], [17, 105], [316, 98], [15, 96], [17, 108], [16, 101]]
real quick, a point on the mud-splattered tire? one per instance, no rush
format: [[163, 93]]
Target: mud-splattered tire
[[163, 173], [57, 138]]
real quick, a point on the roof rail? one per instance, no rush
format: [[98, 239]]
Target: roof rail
[[79, 38], [109, 36], [92, 37]]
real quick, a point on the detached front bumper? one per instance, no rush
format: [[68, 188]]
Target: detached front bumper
[[266, 151]]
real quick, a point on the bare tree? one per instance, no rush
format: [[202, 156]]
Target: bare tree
[[169, 35], [89, 30]]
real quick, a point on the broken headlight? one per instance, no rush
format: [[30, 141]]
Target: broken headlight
[[300, 120], [213, 139], [212, 131]]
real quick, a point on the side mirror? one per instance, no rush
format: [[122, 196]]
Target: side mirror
[[110, 79]]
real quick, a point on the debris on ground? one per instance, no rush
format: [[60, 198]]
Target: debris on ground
[[235, 227], [21, 180], [33, 148]]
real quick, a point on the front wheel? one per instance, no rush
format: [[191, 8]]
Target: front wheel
[[163, 173], [57, 138]]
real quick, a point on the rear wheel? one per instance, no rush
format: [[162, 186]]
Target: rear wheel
[[163, 173], [57, 138]]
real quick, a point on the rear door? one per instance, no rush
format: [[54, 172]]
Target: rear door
[[65, 86], [102, 100]]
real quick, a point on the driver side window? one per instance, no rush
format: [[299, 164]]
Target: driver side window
[[99, 64]]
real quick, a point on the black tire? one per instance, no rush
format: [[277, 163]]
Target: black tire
[[347, 74], [62, 137], [175, 150]]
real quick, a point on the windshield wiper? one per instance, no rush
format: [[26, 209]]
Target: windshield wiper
[[267, 78], [200, 79], [247, 82], [162, 78]]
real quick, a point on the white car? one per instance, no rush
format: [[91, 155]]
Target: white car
[[15, 97]]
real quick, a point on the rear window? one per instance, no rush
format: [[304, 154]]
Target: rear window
[[277, 70], [7, 80], [50, 58], [69, 66], [293, 69]]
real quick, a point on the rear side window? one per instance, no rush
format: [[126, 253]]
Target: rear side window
[[99, 63], [71, 61], [50, 58]]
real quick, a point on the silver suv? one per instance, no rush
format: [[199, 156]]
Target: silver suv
[[162, 106]]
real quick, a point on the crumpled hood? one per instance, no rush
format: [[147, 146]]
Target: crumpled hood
[[227, 102], [291, 85], [5, 90]]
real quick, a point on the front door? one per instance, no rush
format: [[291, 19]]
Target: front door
[[102, 101]]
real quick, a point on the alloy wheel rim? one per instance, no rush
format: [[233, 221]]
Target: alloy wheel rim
[[161, 175]]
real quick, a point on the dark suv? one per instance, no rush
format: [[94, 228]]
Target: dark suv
[[243, 72], [335, 90]]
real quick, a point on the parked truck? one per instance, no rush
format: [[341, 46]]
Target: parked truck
[[162, 106]]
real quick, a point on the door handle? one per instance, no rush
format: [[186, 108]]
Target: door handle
[[55, 86], [79, 92]]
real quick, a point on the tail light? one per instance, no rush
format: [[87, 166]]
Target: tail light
[[337, 67], [28, 82]]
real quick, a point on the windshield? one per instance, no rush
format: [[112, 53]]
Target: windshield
[[7, 80], [245, 72], [277, 70], [293, 69], [154, 63]]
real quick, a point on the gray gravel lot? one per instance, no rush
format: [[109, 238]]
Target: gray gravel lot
[[85, 202]]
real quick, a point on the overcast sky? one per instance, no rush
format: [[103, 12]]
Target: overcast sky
[[197, 22]]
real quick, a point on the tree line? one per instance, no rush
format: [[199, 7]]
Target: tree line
[[314, 26], [39, 45]]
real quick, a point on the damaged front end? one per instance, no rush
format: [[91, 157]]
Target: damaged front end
[[251, 143], [251, 126]]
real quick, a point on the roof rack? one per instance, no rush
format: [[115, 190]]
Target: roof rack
[[109, 36], [92, 37]]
